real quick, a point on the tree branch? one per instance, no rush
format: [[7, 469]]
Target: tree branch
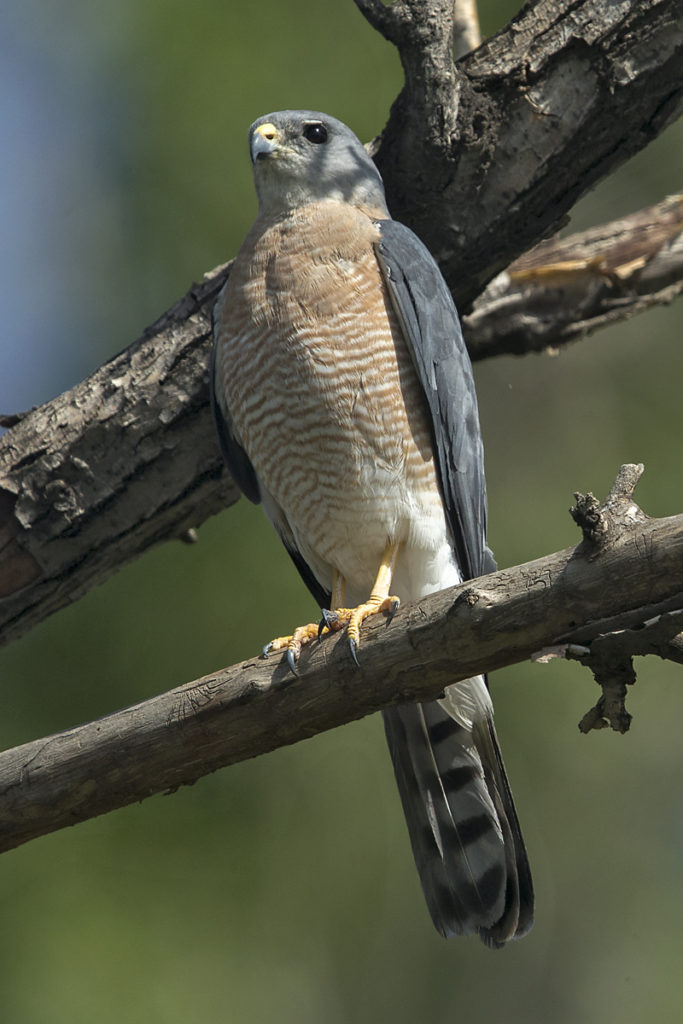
[[126, 459], [631, 569], [564, 289]]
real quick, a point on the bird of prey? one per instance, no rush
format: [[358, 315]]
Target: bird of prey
[[345, 404]]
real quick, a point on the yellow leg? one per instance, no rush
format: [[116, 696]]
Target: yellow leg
[[338, 590], [379, 601]]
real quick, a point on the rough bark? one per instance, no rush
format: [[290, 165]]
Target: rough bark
[[622, 586], [126, 459]]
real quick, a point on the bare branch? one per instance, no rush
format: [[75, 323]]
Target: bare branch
[[564, 289], [256, 706], [126, 459]]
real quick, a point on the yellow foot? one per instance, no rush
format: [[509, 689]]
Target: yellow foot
[[352, 618]]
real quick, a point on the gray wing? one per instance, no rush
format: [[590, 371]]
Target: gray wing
[[432, 330]]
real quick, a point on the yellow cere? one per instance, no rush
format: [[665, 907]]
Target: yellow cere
[[268, 131]]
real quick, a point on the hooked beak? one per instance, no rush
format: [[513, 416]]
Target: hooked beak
[[265, 142]]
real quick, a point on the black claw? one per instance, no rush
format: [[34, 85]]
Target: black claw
[[326, 621], [291, 661], [394, 608], [353, 649]]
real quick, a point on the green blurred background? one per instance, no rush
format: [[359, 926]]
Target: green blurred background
[[282, 890]]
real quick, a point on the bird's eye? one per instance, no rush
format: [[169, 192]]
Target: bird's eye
[[316, 132]]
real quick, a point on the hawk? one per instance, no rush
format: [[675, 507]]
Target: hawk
[[345, 404]]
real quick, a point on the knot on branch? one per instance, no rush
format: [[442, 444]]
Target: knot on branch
[[587, 514], [603, 524]]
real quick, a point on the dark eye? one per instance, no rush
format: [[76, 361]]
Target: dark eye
[[316, 132]]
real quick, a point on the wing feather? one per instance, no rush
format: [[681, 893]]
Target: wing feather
[[432, 331]]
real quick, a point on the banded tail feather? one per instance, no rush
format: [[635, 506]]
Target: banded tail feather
[[461, 817]]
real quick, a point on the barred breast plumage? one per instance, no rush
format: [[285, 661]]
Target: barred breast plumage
[[323, 394]]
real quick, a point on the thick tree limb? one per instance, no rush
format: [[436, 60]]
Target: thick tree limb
[[128, 457], [631, 569]]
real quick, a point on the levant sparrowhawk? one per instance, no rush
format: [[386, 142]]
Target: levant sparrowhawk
[[344, 400]]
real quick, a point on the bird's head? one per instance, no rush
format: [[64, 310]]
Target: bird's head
[[303, 156]]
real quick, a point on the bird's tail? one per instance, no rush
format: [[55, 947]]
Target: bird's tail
[[461, 817]]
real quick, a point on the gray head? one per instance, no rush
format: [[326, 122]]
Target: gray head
[[303, 156]]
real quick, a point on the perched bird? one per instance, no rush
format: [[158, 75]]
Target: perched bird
[[345, 404]]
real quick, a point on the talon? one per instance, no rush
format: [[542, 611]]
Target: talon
[[353, 648], [291, 661], [328, 621], [394, 605]]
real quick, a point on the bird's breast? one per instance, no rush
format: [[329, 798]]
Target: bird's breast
[[322, 393]]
